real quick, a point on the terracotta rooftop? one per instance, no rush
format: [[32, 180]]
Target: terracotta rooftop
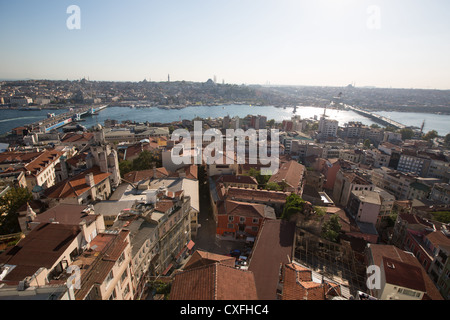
[[105, 250], [69, 214], [75, 186], [214, 281], [245, 209], [403, 274], [379, 251], [77, 137], [137, 176], [139, 147], [14, 156], [202, 258], [257, 195], [272, 247], [290, 172], [42, 247], [237, 179]]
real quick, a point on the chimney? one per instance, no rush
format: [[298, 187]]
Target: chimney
[[82, 225], [90, 179]]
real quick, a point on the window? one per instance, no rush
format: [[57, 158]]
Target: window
[[408, 292], [126, 290], [113, 295], [109, 278], [255, 220], [230, 218], [241, 219], [121, 258], [124, 276]]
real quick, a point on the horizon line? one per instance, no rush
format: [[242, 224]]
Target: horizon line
[[220, 83]]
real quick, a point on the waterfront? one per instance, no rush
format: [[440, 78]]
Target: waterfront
[[10, 119]]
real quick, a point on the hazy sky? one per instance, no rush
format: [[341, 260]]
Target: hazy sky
[[384, 43]]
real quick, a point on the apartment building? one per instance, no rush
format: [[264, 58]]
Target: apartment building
[[395, 182], [346, 182], [86, 187], [328, 127], [440, 270], [411, 162], [376, 158], [106, 270], [352, 155], [440, 192], [401, 276], [56, 239], [241, 219], [38, 166]]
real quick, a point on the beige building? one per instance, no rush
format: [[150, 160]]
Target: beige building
[[109, 272], [346, 182], [57, 238]]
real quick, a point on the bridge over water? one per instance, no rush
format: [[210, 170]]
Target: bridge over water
[[63, 119], [377, 118]]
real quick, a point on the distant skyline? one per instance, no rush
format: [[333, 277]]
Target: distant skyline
[[379, 43]]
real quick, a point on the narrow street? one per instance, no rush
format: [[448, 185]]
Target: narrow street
[[206, 238]]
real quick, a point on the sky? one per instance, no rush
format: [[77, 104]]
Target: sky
[[382, 43]]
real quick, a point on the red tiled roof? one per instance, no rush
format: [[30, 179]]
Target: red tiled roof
[[106, 248], [257, 195], [214, 282], [137, 176], [272, 247], [244, 209], [70, 214], [76, 186], [42, 247], [237, 179], [379, 251], [202, 258], [403, 274], [77, 137], [164, 205], [139, 147], [14, 156], [291, 173]]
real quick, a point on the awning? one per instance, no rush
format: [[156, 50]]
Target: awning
[[190, 245]]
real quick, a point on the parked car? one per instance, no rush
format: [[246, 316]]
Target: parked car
[[241, 261], [235, 253]]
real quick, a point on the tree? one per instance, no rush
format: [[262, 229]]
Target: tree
[[447, 140], [431, 135], [273, 186], [407, 133], [331, 229], [294, 204], [125, 166], [367, 143], [9, 205], [145, 161], [260, 178]]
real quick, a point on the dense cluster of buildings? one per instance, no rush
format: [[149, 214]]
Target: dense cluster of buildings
[[90, 232]]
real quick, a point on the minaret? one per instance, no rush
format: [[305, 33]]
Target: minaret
[[168, 78]]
